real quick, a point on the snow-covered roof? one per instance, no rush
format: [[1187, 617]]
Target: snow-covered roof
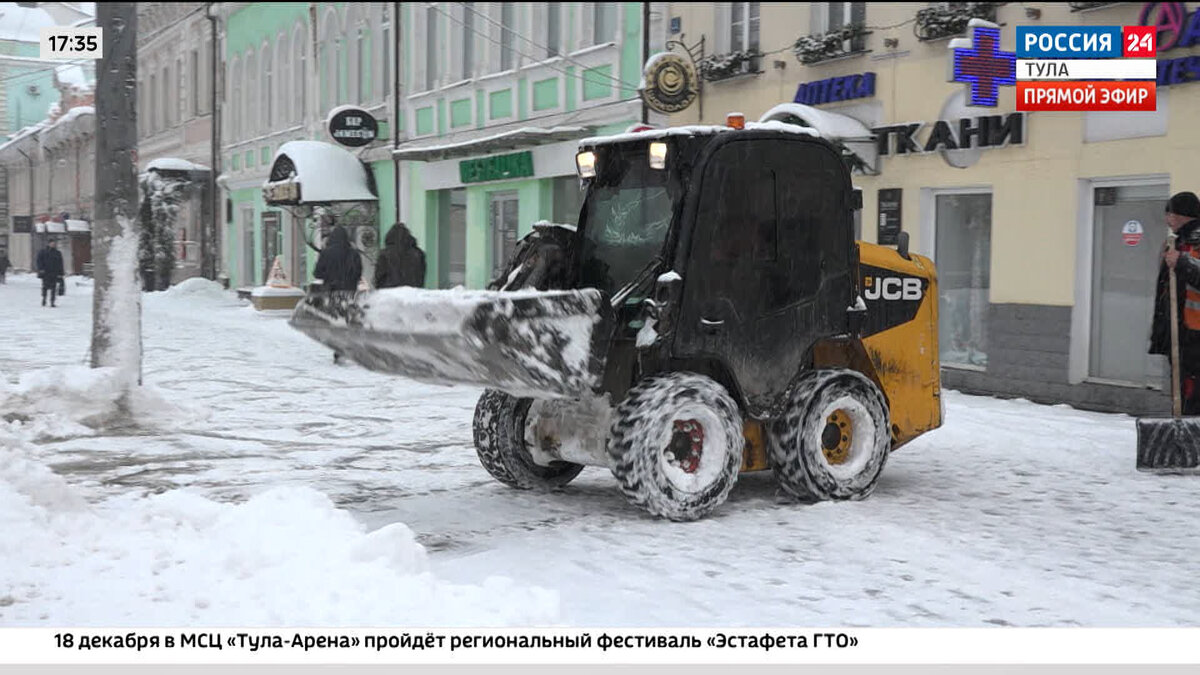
[[831, 125], [174, 164], [325, 173], [23, 24], [508, 140], [74, 75], [695, 130], [78, 121]]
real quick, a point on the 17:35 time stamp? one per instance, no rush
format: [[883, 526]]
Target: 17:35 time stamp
[[64, 42]]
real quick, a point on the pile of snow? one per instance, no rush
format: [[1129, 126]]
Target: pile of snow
[[77, 400], [287, 556], [196, 287]]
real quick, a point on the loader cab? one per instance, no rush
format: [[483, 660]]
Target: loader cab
[[757, 226]]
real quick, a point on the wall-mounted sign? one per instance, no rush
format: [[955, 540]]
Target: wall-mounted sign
[[1132, 233], [500, 167], [676, 24], [22, 225], [352, 127], [836, 89], [670, 81], [889, 216], [1175, 28], [979, 63], [988, 131]]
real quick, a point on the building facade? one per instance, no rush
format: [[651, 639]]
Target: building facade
[[286, 66], [175, 53], [496, 97], [1045, 227]]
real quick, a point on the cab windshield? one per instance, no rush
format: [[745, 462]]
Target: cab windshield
[[627, 214]]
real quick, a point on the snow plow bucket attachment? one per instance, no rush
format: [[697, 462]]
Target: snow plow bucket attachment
[[1168, 444], [527, 343]]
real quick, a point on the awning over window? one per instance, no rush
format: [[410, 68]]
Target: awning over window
[[313, 172], [509, 140], [854, 137]]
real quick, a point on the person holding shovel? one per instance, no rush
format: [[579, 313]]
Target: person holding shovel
[[1183, 217]]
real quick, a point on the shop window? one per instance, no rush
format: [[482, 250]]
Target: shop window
[[452, 238], [963, 251]]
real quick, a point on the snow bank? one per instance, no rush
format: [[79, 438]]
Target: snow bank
[[287, 556], [76, 400], [196, 287]]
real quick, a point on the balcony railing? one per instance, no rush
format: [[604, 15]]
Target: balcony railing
[[724, 66], [951, 18], [844, 41]]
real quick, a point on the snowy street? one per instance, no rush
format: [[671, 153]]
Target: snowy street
[[264, 485]]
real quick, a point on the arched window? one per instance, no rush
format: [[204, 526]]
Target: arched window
[[331, 61], [300, 86], [249, 119], [283, 63], [267, 106], [235, 100]]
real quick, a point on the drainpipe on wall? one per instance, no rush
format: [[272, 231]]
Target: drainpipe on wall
[[645, 54], [398, 36], [32, 225], [209, 232]]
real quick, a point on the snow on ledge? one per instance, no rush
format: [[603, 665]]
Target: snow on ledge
[[174, 164]]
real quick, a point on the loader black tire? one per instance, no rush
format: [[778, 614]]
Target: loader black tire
[[499, 428], [833, 438], [662, 418]]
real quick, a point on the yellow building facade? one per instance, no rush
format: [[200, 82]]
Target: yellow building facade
[[1046, 238]]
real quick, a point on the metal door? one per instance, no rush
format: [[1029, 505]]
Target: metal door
[[1129, 232], [503, 225]]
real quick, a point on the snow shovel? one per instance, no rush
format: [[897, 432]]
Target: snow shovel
[[1170, 444], [528, 343]]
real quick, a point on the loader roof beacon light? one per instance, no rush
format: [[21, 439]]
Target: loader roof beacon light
[[658, 155], [586, 163], [735, 120]]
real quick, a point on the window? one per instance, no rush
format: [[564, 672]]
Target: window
[[283, 77], [507, 18], [141, 87], [301, 83], [828, 16], [178, 101], [388, 51], [165, 103], [963, 252], [267, 92], [468, 40], [553, 29], [235, 100], [153, 117], [194, 68], [249, 120], [362, 86], [604, 22], [431, 44], [743, 32]]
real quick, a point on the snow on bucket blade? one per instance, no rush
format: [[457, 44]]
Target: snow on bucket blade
[[1168, 444], [528, 343]]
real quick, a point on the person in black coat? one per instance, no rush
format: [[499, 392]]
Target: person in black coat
[[542, 260], [401, 262], [4, 265], [339, 266], [50, 268], [1183, 217]]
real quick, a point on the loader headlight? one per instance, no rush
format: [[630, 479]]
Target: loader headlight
[[658, 155], [586, 163]]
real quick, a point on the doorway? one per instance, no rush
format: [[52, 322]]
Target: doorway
[[502, 222], [272, 241], [1128, 232], [452, 238]]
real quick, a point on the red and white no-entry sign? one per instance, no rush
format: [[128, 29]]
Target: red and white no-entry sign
[[1132, 233]]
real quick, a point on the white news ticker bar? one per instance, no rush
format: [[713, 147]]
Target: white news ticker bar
[[1087, 69]]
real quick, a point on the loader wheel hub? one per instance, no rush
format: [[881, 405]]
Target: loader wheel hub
[[837, 437], [686, 446]]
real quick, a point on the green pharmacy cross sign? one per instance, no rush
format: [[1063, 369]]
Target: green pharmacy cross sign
[[500, 167]]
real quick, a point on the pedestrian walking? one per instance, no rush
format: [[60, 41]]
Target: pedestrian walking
[[339, 267], [1183, 217], [4, 265], [401, 262], [50, 270]]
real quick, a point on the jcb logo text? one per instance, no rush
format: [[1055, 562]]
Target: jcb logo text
[[891, 288]]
